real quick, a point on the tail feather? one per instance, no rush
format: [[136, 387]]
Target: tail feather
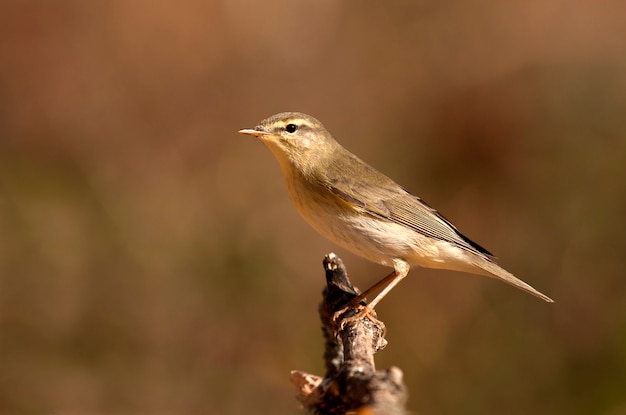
[[494, 271]]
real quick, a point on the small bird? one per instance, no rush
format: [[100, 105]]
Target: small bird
[[360, 209]]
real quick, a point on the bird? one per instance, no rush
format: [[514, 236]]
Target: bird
[[365, 212]]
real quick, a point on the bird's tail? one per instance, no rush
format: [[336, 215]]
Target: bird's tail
[[494, 271]]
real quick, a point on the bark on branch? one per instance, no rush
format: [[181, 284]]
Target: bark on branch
[[351, 383]]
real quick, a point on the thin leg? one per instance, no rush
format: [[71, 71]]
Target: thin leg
[[401, 269], [388, 283], [383, 283]]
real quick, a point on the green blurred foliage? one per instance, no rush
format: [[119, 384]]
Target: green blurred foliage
[[151, 262]]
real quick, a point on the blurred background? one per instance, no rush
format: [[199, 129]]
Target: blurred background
[[151, 261]]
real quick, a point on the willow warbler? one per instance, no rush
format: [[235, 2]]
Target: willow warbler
[[362, 210]]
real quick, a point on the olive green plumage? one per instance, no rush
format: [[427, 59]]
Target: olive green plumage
[[362, 210]]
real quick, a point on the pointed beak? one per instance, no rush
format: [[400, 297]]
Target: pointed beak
[[257, 131]]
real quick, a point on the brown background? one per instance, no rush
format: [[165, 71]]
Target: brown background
[[151, 262]]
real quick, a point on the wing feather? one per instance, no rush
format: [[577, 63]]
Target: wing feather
[[394, 203]]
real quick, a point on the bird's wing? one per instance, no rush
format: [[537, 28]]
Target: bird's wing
[[413, 212], [394, 203]]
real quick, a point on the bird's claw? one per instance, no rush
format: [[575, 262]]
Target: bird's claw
[[352, 313]]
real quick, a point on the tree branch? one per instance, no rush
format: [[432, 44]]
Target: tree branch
[[351, 383]]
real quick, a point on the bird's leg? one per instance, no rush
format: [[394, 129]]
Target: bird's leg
[[401, 269]]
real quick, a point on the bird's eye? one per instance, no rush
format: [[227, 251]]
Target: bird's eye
[[291, 128]]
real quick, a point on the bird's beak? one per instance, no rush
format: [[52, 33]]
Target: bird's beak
[[256, 131]]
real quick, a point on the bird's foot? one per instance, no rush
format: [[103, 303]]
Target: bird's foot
[[354, 311]]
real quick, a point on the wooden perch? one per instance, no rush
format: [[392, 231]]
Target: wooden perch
[[351, 384]]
